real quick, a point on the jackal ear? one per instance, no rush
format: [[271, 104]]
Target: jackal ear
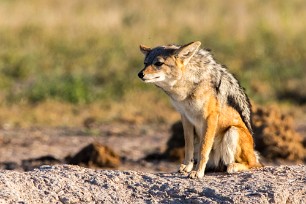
[[187, 51], [144, 49]]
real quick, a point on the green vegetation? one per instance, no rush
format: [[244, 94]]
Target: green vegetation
[[85, 52]]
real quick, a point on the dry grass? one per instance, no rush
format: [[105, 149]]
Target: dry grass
[[57, 57], [146, 109]]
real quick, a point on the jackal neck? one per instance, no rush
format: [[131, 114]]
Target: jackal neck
[[186, 86], [180, 91]]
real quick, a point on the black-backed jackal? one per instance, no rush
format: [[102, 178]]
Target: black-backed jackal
[[215, 111]]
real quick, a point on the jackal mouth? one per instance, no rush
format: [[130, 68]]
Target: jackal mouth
[[155, 77], [151, 80]]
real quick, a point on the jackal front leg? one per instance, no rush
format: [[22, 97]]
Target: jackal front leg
[[187, 166], [206, 146]]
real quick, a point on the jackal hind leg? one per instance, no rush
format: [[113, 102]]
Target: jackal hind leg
[[244, 154]]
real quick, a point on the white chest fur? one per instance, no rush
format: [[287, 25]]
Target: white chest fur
[[192, 110]]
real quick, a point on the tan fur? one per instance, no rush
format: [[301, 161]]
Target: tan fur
[[224, 138]]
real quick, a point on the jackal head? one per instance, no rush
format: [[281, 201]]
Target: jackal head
[[164, 65]]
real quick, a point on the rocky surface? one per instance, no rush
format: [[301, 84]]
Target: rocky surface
[[74, 184]]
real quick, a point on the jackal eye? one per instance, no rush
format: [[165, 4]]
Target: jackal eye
[[158, 64]]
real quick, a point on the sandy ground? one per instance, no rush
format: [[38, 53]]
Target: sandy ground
[[74, 184]]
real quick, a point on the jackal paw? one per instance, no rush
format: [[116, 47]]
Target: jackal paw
[[186, 168], [235, 167], [196, 174], [231, 168]]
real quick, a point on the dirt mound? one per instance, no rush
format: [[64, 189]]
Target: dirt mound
[[176, 143], [275, 136], [175, 146], [274, 133], [30, 164], [96, 155], [74, 184]]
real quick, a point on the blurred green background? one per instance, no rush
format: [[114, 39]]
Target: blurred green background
[[64, 61]]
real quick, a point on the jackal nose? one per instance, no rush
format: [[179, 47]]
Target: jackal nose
[[140, 75]]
